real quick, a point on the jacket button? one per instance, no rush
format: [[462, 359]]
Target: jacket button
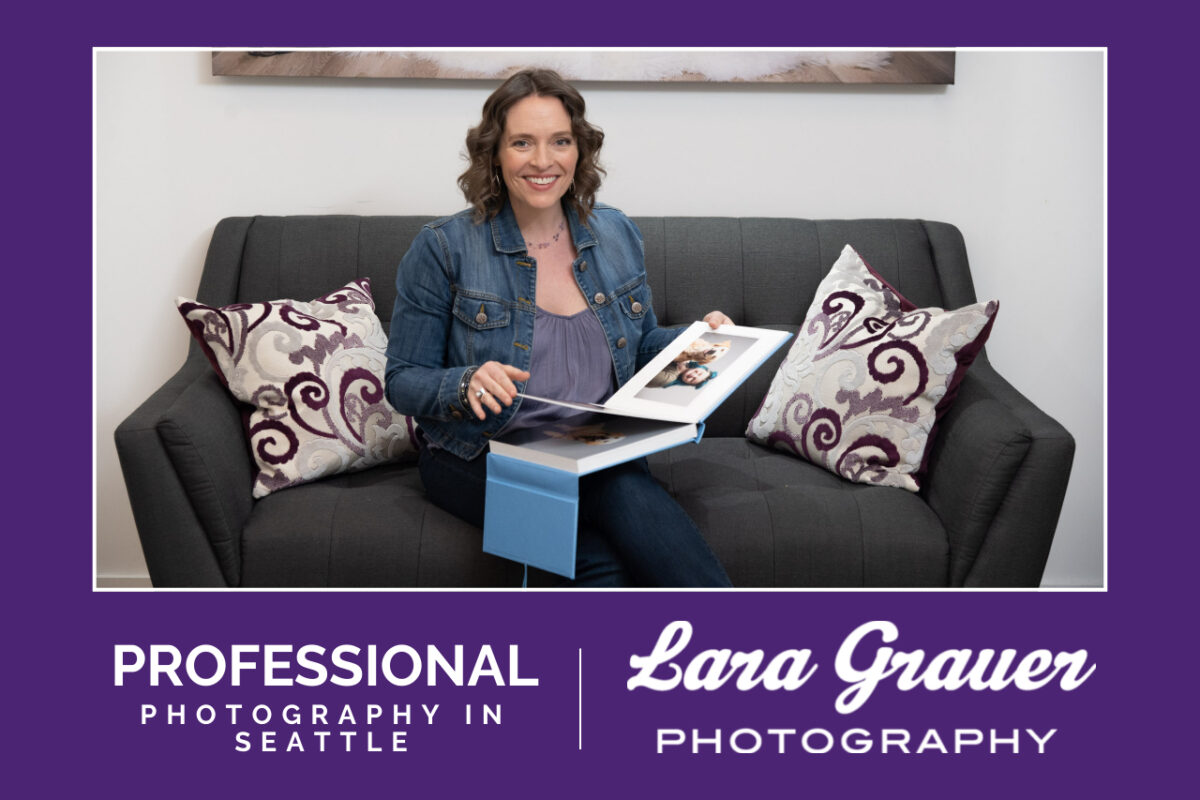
[[480, 318], [636, 307], [583, 266], [599, 298], [456, 414], [620, 342]]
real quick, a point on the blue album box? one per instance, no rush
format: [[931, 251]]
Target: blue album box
[[531, 513]]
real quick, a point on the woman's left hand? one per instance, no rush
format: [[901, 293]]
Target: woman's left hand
[[716, 319]]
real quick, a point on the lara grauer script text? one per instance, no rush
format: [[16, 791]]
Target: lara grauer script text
[[788, 670]]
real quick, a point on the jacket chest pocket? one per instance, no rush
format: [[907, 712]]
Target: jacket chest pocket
[[482, 323], [481, 313], [634, 300]]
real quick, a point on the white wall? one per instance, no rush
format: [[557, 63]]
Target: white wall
[[1012, 154]]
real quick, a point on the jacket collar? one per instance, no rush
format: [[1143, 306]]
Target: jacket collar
[[506, 234]]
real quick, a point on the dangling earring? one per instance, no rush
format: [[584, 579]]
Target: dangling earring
[[495, 182]]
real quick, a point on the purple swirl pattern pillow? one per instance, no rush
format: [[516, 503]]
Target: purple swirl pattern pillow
[[313, 373], [867, 377]]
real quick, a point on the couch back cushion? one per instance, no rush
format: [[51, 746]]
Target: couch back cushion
[[765, 272], [311, 256], [760, 271]]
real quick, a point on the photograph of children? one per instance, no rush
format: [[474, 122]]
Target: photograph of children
[[694, 368]]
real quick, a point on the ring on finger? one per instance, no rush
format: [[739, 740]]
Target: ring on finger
[[479, 393]]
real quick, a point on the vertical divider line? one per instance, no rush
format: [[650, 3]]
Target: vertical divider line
[[581, 699]]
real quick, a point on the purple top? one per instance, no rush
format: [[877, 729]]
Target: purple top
[[570, 361]]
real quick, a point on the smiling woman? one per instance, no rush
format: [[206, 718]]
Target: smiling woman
[[541, 98], [536, 162], [533, 290], [537, 158]]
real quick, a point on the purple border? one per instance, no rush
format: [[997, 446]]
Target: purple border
[[1125, 729]]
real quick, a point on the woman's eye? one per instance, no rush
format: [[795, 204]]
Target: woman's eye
[[564, 142]]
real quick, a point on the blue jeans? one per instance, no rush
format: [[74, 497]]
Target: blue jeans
[[631, 532]]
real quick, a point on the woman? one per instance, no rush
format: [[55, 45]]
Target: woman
[[536, 285]]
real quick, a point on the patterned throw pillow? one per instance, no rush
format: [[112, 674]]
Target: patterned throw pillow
[[867, 377], [313, 373]]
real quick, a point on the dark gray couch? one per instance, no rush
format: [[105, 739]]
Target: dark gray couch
[[986, 516]]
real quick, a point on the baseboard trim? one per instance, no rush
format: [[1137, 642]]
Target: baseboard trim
[[123, 582]]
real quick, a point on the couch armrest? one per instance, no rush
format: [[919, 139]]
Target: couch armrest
[[997, 476], [188, 472]]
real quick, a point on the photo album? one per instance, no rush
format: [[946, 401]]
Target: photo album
[[662, 406]]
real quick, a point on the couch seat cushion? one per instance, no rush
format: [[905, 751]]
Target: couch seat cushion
[[774, 520], [368, 529]]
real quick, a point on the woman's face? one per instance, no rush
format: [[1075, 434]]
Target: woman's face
[[694, 376], [537, 154]]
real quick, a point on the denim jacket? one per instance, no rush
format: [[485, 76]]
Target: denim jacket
[[465, 295]]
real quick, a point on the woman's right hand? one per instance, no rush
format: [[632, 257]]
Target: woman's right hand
[[492, 386]]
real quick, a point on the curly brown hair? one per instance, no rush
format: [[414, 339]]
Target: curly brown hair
[[479, 184]]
